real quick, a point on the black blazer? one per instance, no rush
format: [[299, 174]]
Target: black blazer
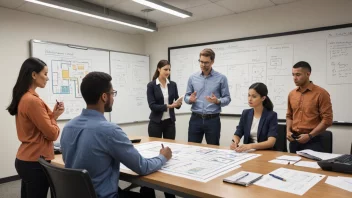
[[267, 125], [156, 100]]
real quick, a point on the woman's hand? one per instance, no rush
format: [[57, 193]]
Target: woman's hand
[[59, 108], [244, 147]]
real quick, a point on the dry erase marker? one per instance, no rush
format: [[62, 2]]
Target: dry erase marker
[[277, 177]]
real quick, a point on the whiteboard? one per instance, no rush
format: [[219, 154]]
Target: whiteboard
[[67, 65], [130, 76], [269, 59]]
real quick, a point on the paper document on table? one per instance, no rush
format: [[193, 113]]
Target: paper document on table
[[276, 161], [286, 159], [317, 155], [195, 162], [297, 182], [307, 164], [180, 99], [340, 182]]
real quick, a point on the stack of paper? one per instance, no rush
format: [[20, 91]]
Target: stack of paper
[[317, 155], [286, 159], [340, 182]]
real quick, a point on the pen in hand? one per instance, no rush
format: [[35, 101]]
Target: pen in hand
[[162, 146], [57, 102], [277, 177]]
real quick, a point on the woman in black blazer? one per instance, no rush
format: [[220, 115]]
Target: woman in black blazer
[[259, 124], [162, 95]]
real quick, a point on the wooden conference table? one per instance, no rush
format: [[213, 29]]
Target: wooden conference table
[[217, 188]]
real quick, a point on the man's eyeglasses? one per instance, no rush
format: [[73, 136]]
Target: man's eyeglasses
[[204, 63], [112, 92]]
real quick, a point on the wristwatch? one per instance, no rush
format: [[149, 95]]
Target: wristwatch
[[310, 136]]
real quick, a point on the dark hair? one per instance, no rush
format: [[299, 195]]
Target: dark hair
[[207, 52], [24, 81], [93, 85], [161, 64], [303, 64], [262, 90]]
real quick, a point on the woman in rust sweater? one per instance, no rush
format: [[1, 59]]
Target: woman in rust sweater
[[36, 127]]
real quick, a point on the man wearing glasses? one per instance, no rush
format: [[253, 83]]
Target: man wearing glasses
[[91, 142], [207, 91]]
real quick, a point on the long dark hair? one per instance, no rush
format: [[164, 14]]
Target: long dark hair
[[24, 81], [161, 64], [262, 90]]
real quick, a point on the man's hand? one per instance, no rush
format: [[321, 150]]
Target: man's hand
[[166, 152], [212, 98], [289, 136], [193, 97], [303, 138]]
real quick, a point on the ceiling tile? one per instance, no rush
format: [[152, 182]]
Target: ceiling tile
[[11, 3], [244, 5]]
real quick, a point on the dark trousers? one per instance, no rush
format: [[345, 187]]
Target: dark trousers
[[165, 129], [34, 183], [314, 144], [210, 127]]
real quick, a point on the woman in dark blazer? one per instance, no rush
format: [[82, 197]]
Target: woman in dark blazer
[[162, 95], [258, 125]]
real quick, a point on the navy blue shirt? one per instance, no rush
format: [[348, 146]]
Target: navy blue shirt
[[91, 142]]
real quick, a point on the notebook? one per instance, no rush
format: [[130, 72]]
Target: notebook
[[243, 178]]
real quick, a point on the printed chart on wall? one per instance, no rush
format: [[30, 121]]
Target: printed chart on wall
[[130, 76], [195, 162], [67, 65], [269, 59]]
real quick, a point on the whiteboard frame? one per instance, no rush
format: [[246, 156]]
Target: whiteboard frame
[[348, 25], [32, 41]]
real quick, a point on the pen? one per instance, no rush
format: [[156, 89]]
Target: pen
[[57, 102], [234, 142], [162, 145], [277, 177], [242, 176]]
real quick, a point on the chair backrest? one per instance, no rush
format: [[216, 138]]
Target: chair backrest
[[281, 142], [68, 183], [326, 140]]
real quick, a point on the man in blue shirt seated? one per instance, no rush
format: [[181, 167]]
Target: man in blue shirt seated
[[91, 142]]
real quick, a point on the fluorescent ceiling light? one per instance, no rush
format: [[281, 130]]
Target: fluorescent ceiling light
[[159, 5], [89, 15]]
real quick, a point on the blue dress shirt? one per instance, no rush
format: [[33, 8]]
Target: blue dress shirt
[[91, 142], [215, 83]]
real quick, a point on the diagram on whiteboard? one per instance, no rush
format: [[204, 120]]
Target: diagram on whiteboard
[[195, 162], [67, 76]]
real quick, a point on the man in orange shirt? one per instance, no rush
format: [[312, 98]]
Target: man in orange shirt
[[309, 111]]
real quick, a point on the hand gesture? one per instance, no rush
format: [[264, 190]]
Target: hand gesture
[[212, 99], [193, 97]]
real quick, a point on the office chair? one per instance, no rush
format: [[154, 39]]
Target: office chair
[[68, 183], [326, 140], [281, 142]]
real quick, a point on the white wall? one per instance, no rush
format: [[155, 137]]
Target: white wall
[[303, 14], [16, 29]]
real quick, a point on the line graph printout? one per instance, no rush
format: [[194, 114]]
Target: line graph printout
[[195, 162]]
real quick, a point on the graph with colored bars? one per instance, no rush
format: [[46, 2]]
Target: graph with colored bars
[[67, 76]]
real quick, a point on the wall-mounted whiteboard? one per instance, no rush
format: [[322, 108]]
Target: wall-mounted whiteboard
[[67, 65], [130, 74], [269, 59]]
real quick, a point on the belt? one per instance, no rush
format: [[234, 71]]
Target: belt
[[206, 116]]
